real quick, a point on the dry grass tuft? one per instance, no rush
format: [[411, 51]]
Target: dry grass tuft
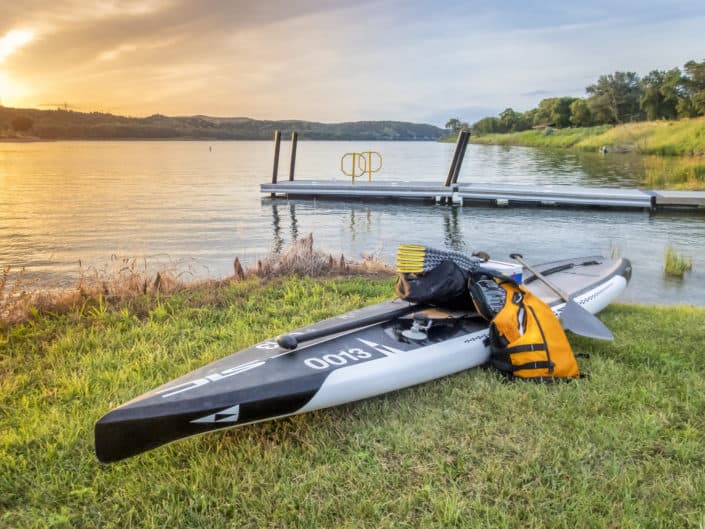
[[15, 302], [116, 285], [128, 283], [302, 259], [125, 278]]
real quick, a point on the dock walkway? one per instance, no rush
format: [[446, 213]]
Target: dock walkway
[[550, 195], [487, 193], [343, 189]]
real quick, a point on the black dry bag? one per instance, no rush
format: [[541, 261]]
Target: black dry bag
[[444, 286]]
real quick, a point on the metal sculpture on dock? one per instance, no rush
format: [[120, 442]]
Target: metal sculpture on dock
[[366, 162]]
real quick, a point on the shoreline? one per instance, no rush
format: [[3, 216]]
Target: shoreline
[[673, 152], [28, 139], [130, 288], [138, 294], [684, 137]]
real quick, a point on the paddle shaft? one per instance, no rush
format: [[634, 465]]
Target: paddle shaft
[[519, 258], [291, 341]]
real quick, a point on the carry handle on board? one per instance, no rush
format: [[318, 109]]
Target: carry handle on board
[[574, 317]]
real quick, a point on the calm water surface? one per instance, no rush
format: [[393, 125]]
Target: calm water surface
[[194, 206]]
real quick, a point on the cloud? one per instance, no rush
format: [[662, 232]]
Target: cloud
[[12, 41], [329, 61]]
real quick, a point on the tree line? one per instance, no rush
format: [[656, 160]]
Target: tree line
[[619, 97], [68, 124]]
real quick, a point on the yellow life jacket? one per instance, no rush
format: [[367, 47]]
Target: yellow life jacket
[[527, 339]]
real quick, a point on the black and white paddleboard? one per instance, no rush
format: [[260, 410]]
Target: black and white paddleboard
[[267, 381]]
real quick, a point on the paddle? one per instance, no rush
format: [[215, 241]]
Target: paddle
[[416, 259], [292, 341], [574, 317]]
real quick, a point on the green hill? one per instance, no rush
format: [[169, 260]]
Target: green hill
[[69, 125]]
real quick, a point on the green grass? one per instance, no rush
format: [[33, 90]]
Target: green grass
[[685, 137], [674, 172], [624, 448], [560, 138], [676, 264]]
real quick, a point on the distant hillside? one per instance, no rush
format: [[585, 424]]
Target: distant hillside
[[69, 125]]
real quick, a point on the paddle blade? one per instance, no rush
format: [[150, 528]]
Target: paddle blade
[[579, 321]]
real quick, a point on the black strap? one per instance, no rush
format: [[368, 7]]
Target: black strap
[[506, 366], [525, 348], [550, 271], [543, 337], [546, 380], [535, 365]]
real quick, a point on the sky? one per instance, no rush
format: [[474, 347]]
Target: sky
[[331, 61]]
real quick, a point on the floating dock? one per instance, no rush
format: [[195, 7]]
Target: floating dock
[[486, 193], [680, 199], [490, 194], [553, 195], [360, 190]]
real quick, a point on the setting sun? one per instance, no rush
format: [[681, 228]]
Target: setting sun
[[12, 93], [12, 41]]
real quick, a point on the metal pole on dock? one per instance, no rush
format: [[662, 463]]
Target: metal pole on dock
[[277, 143], [294, 141], [454, 161], [457, 155], [461, 156], [275, 169]]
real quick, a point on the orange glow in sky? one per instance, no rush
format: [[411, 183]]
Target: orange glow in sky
[[12, 41], [12, 91], [327, 60]]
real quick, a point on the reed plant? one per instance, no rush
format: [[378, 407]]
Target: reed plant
[[676, 264], [672, 172], [615, 250]]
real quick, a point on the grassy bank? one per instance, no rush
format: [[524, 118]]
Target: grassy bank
[[685, 137], [674, 172], [674, 151], [624, 448]]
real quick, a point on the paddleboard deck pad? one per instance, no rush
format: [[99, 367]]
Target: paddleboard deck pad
[[267, 382]]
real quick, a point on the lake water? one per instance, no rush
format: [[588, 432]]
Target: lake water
[[194, 206]]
